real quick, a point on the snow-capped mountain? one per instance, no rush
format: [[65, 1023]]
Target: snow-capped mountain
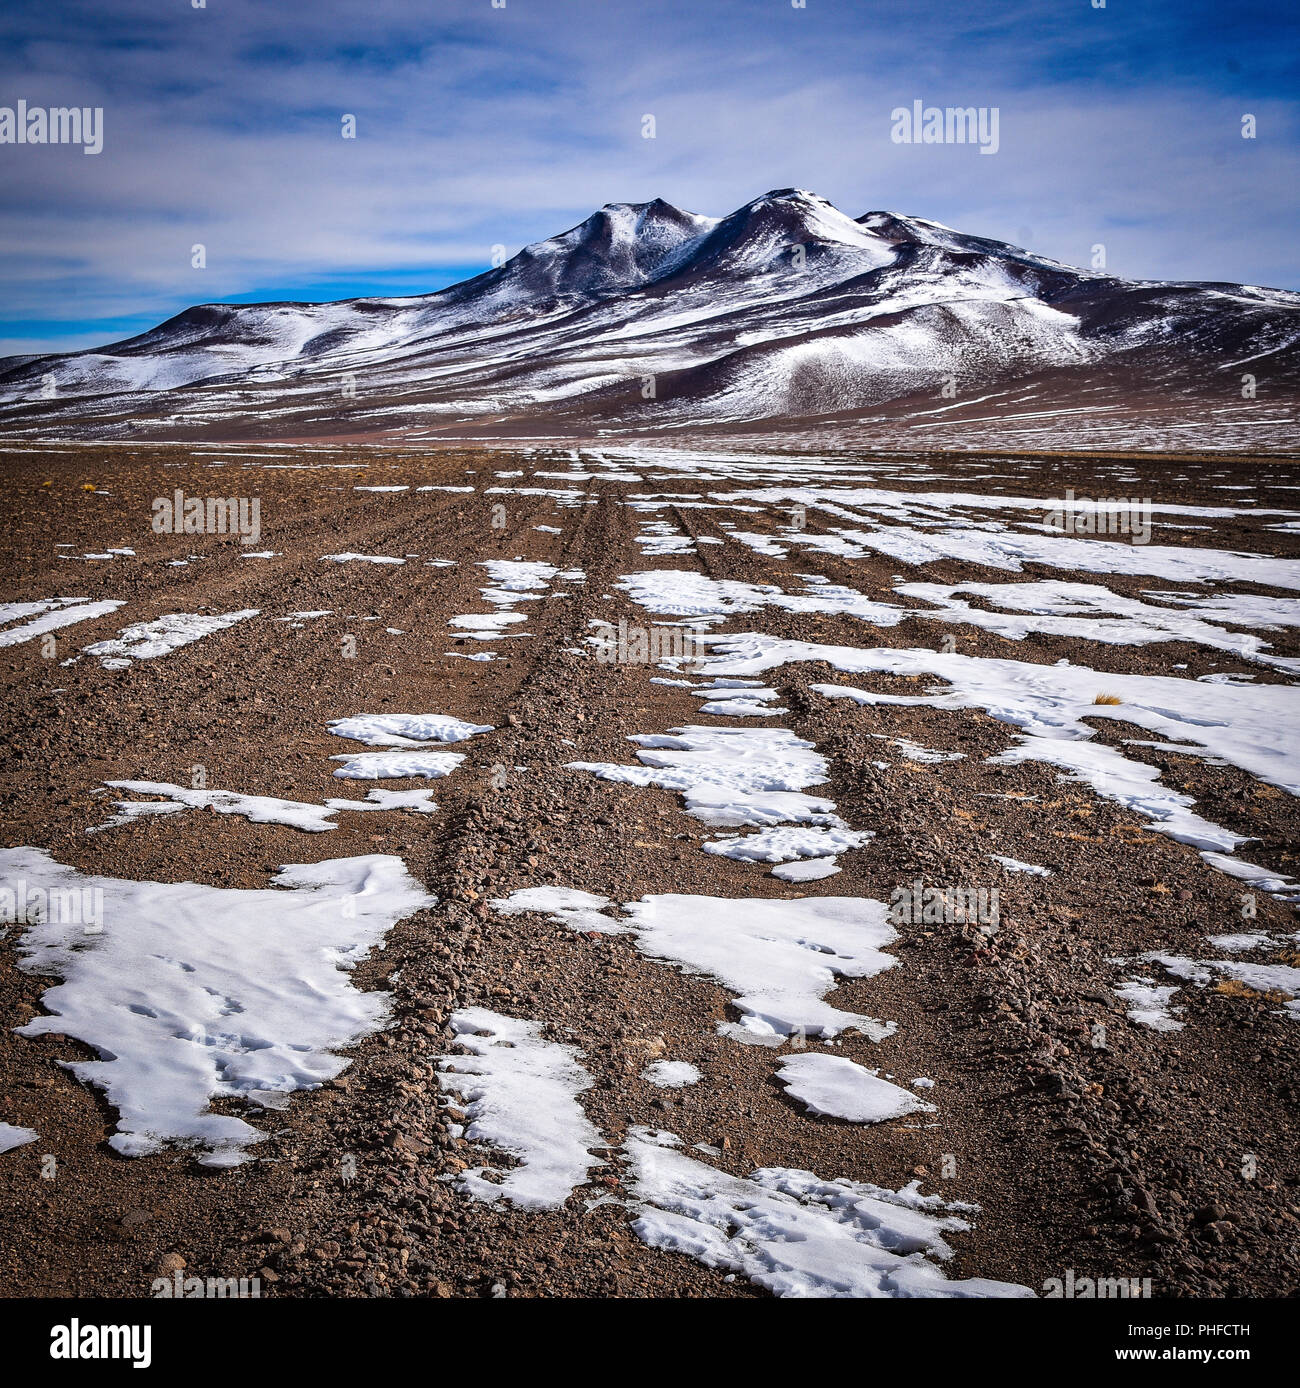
[[646, 317]]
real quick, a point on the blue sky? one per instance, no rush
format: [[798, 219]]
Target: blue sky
[[480, 126]]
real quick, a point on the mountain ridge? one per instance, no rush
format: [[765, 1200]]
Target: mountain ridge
[[786, 309]]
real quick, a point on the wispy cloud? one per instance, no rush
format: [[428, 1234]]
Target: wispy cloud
[[479, 127]]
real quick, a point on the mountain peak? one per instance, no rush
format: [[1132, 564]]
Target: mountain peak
[[785, 308], [620, 246]]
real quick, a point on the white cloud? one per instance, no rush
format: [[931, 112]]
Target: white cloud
[[503, 126]]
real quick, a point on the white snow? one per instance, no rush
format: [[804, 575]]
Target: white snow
[[149, 640], [913, 751], [513, 581], [739, 777], [1274, 979], [1148, 1004], [671, 1074], [488, 626], [1246, 726], [519, 575], [1090, 612], [405, 729], [257, 809], [417, 801], [65, 612], [1002, 550], [688, 593], [1015, 865], [739, 708], [795, 1234], [806, 870], [191, 992], [349, 558], [837, 1087], [783, 845], [383, 766], [729, 776], [521, 1095], [11, 1136], [1238, 943], [737, 699], [565, 905], [1264, 879], [780, 958]]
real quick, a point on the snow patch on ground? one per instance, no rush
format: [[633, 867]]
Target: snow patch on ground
[[521, 1095], [671, 1074], [383, 766], [149, 640], [1149, 1004], [191, 993], [743, 777], [779, 958], [257, 809], [1274, 980], [836, 1087], [565, 905], [806, 870], [784, 845], [49, 615], [11, 1137], [1015, 865], [1244, 726], [405, 729], [795, 1234], [349, 558], [729, 776], [417, 801]]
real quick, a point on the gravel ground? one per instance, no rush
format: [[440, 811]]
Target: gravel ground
[[1120, 1159]]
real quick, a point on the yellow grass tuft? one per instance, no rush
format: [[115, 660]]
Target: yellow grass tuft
[[1108, 699], [1235, 988]]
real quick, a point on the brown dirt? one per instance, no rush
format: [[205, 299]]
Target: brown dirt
[[1124, 1160]]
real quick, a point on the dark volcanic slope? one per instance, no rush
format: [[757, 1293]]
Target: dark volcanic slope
[[646, 317]]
